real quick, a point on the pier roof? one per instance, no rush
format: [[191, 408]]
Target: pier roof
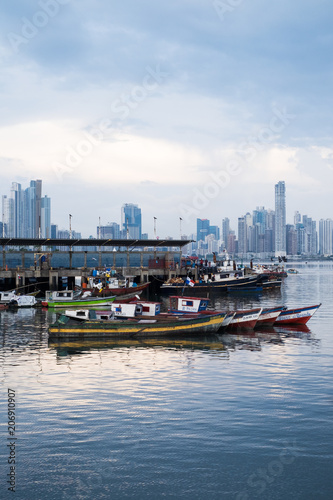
[[88, 242]]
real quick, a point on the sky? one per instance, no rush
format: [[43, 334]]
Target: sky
[[188, 108]]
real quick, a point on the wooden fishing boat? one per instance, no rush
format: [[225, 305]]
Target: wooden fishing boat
[[299, 316], [228, 318], [6, 297], [12, 299], [3, 306], [22, 301], [68, 298], [245, 319], [268, 316], [211, 280], [166, 325], [104, 283]]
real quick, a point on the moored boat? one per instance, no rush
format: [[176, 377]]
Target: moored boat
[[68, 298], [173, 325], [213, 279], [298, 316], [245, 319], [12, 299], [6, 297], [268, 316], [22, 301]]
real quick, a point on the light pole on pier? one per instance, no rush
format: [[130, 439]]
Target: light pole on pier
[[70, 226], [155, 219]]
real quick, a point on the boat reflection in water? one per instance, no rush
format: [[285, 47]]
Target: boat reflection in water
[[209, 343], [220, 343]]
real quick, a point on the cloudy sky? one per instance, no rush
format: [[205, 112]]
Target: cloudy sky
[[189, 108]]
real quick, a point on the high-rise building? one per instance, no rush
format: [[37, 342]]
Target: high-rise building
[[225, 231], [111, 231], [242, 235], [202, 229], [8, 216], [131, 220], [326, 237], [291, 240], [26, 214], [215, 231], [280, 220], [45, 217]]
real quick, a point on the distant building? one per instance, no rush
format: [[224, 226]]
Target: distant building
[[131, 221], [111, 231], [291, 241], [326, 237], [225, 231], [242, 236], [202, 229], [45, 217], [25, 213], [280, 220]]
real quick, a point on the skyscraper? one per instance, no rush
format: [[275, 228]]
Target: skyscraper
[[202, 229], [280, 220], [25, 213], [131, 220], [8, 216], [225, 231], [45, 217], [326, 237]]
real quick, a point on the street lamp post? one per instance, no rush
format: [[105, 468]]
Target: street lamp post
[[155, 219], [70, 226]]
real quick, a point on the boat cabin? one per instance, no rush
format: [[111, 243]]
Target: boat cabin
[[6, 297], [188, 304], [64, 295]]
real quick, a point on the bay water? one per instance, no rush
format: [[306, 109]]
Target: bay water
[[221, 417]]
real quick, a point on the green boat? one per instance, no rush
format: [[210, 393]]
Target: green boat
[[67, 298], [161, 325]]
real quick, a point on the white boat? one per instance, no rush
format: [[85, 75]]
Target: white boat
[[13, 300], [6, 297], [23, 301]]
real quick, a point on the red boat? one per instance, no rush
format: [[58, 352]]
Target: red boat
[[119, 290], [244, 320], [3, 306], [298, 316], [268, 316]]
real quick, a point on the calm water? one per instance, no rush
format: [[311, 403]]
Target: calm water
[[231, 417]]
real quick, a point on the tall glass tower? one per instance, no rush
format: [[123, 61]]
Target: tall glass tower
[[131, 220], [280, 220]]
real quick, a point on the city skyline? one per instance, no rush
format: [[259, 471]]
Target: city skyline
[[27, 214], [199, 110]]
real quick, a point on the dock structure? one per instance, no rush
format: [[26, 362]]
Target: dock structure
[[26, 262]]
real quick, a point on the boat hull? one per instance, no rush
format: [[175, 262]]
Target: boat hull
[[245, 320], [213, 286], [66, 328], [121, 291], [93, 302], [269, 316], [298, 316]]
